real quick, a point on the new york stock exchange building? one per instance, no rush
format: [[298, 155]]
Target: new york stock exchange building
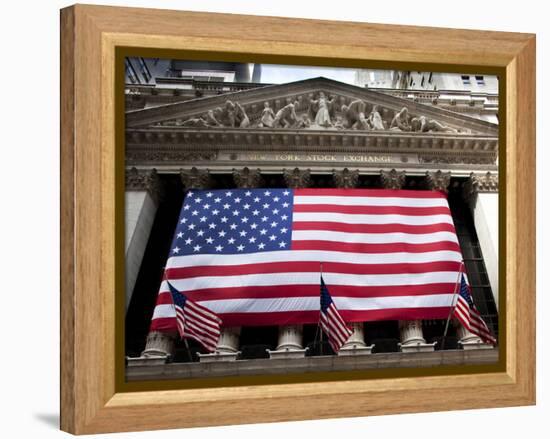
[[184, 135]]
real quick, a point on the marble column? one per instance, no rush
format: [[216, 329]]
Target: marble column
[[161, 344], [467, 340], [481, 194], [228, 344], [355, 345], [142, 195], [290, 343]]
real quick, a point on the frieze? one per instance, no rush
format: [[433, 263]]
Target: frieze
[[152, 156]]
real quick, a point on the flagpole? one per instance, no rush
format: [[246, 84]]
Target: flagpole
[[452, 305], [318, 324]]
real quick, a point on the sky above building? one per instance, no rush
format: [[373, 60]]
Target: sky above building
[[279, 74]]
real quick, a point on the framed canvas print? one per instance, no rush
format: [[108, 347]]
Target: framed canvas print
[[263, 226]]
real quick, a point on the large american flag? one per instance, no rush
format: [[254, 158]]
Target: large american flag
[[252, 255], [466, 312], [331, 321]]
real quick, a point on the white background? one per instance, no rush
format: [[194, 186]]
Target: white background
[[29, 219]]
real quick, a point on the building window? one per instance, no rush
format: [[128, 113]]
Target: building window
[[465, 79], [144, 70], [480, 80], [130, 72]]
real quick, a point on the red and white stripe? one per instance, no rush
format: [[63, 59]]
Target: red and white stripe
[[472, 321], [386, 254], [335, 328], [199, 323]]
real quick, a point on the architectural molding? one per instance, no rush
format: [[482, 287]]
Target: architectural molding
[[247, 178], [297, 178], [438, 180], [392, 179], [345, 178], [144, 180], [480, 183], [196, 178]]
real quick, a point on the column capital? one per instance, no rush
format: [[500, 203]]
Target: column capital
[[438, 180], [392, 179], [246, 178], [480, 183], [195, 178], [345, 178], [144, 180], [297, 178]]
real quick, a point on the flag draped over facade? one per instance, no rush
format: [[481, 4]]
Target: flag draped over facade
[[466, 312], [331, 321], [195, 321], [252, 255]]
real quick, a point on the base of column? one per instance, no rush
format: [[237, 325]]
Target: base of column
[[355, 349], [417, 347], [470, 345], [287, 353], [150, 360], [218, 357]]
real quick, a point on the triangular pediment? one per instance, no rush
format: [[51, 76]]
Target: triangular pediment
[[312, 104]]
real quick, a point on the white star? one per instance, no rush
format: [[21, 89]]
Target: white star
[[264, 219], [284, 217], [195, 213], [180, 235], [188, 241], [219, 248], [275, 211], [215, 212], [261, 246], [198, 200], [191, 226], [217, 199], [206, 206], [222, 233], [276, 199], [228, 194], [233, 226], [255, 212], [272, 238], [247, 206], [209, 240], [183, 221], [242, 233], [263, 232], [282, 244], [226, 206], [283, 230], [244, 219], [274, 224], [203, 219], [285, 204], [286, 193], [224, 219], [240, 248], [209, 194], [186, 207], [197, 248], [212, 225], [190, 194], [253, 226], [231, 240], [176, 250], [266, 206], [237, 200], [248, 193], [235, 213], [267, 193], [253, 240], [257, 199], [200, 233]]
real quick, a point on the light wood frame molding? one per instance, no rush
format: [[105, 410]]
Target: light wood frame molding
[[90, 402]]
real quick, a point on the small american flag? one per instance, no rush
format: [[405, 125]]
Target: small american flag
[[195, 321], [466, 312], [331, 321]]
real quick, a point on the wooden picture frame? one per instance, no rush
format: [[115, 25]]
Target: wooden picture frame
[[91, 399]]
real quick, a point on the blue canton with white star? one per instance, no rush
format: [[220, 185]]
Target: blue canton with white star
[[234, 221], [465, 292]]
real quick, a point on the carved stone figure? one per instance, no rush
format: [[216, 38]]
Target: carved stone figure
[[375, 120], [322, 108], [303, 122], [268, 116], [211, 120], [355, 115], [286, 116], [229, 114], [195, 122], [424, 125], [400, 121], [240, 116]]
